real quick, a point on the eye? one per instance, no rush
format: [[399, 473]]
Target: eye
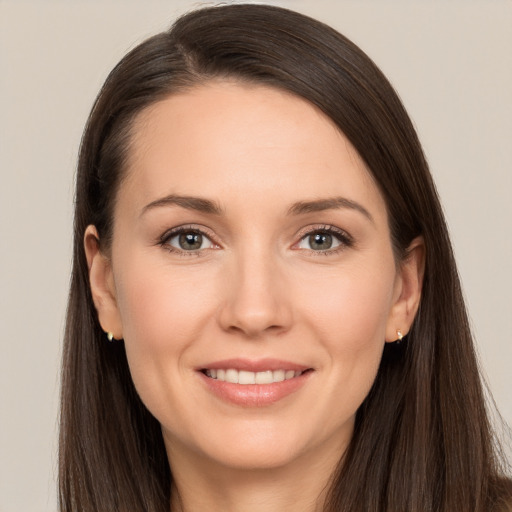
[[319, 241], [327, 239], [187, 240]]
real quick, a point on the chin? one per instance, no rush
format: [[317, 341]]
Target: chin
[[256, 457], [257, 445]]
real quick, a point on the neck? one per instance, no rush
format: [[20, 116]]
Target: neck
[[301, 486]]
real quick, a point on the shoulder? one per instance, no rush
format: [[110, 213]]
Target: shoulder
[[503, 494]]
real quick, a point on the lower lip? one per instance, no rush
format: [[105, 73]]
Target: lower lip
[[254, 395]]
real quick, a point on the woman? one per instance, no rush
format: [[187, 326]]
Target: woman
[[265, 312]]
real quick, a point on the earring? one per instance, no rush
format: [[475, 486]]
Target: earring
[[400, 336], [110, 336]]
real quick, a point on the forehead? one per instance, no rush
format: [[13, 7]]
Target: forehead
[[237, 140]]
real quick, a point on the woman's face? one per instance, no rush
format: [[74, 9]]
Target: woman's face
[[250, 244]]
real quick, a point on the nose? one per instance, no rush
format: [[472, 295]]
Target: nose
[[256, 302]]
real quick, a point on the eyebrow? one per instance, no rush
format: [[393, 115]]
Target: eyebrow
[[189, 202], [300, 208], [332, 203]]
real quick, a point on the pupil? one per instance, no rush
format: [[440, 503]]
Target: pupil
[[320, 241], [191, 241]]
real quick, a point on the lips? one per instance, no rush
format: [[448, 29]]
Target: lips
[[254, 383]]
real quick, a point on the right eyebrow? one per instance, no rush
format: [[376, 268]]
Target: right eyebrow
[[189, 202]]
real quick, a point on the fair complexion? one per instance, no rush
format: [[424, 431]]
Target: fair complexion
[[248, 235]]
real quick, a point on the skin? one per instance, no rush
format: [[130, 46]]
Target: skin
[[257, 288]]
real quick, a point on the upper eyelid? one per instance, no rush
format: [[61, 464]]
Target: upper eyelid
[[170, 233], [318, 228]]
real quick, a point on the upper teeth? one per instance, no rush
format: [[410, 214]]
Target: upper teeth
[[245, 377]]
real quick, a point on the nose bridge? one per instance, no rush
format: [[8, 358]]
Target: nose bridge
[[255, 302]]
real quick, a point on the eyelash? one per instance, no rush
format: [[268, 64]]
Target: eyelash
[[344, 239], [168, 235]]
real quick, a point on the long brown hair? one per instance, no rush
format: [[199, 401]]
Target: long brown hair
[[423, 441]]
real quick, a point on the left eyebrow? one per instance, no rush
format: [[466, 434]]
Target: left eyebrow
[[331, 203]]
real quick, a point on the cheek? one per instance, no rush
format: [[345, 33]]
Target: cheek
[[351, 305], [348, 315], [160, 304], [163, 310]]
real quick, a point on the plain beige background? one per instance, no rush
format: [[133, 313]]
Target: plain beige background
[[451, 62]]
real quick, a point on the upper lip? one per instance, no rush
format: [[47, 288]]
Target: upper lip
[[259, 365]]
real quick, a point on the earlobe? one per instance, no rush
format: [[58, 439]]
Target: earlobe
[[408, 297], [101, 281]]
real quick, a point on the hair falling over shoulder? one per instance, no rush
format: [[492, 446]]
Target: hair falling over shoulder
[[423, 439]]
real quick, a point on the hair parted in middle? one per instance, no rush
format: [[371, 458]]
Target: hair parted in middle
[[410, 447]]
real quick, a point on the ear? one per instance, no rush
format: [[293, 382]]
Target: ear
[[407, 293], [101, 281]]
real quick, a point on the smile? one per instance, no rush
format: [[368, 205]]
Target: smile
[[250, 383], [245, 377]]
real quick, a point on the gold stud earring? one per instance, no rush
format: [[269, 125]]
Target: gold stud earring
[[400, 335], [110, 336]]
